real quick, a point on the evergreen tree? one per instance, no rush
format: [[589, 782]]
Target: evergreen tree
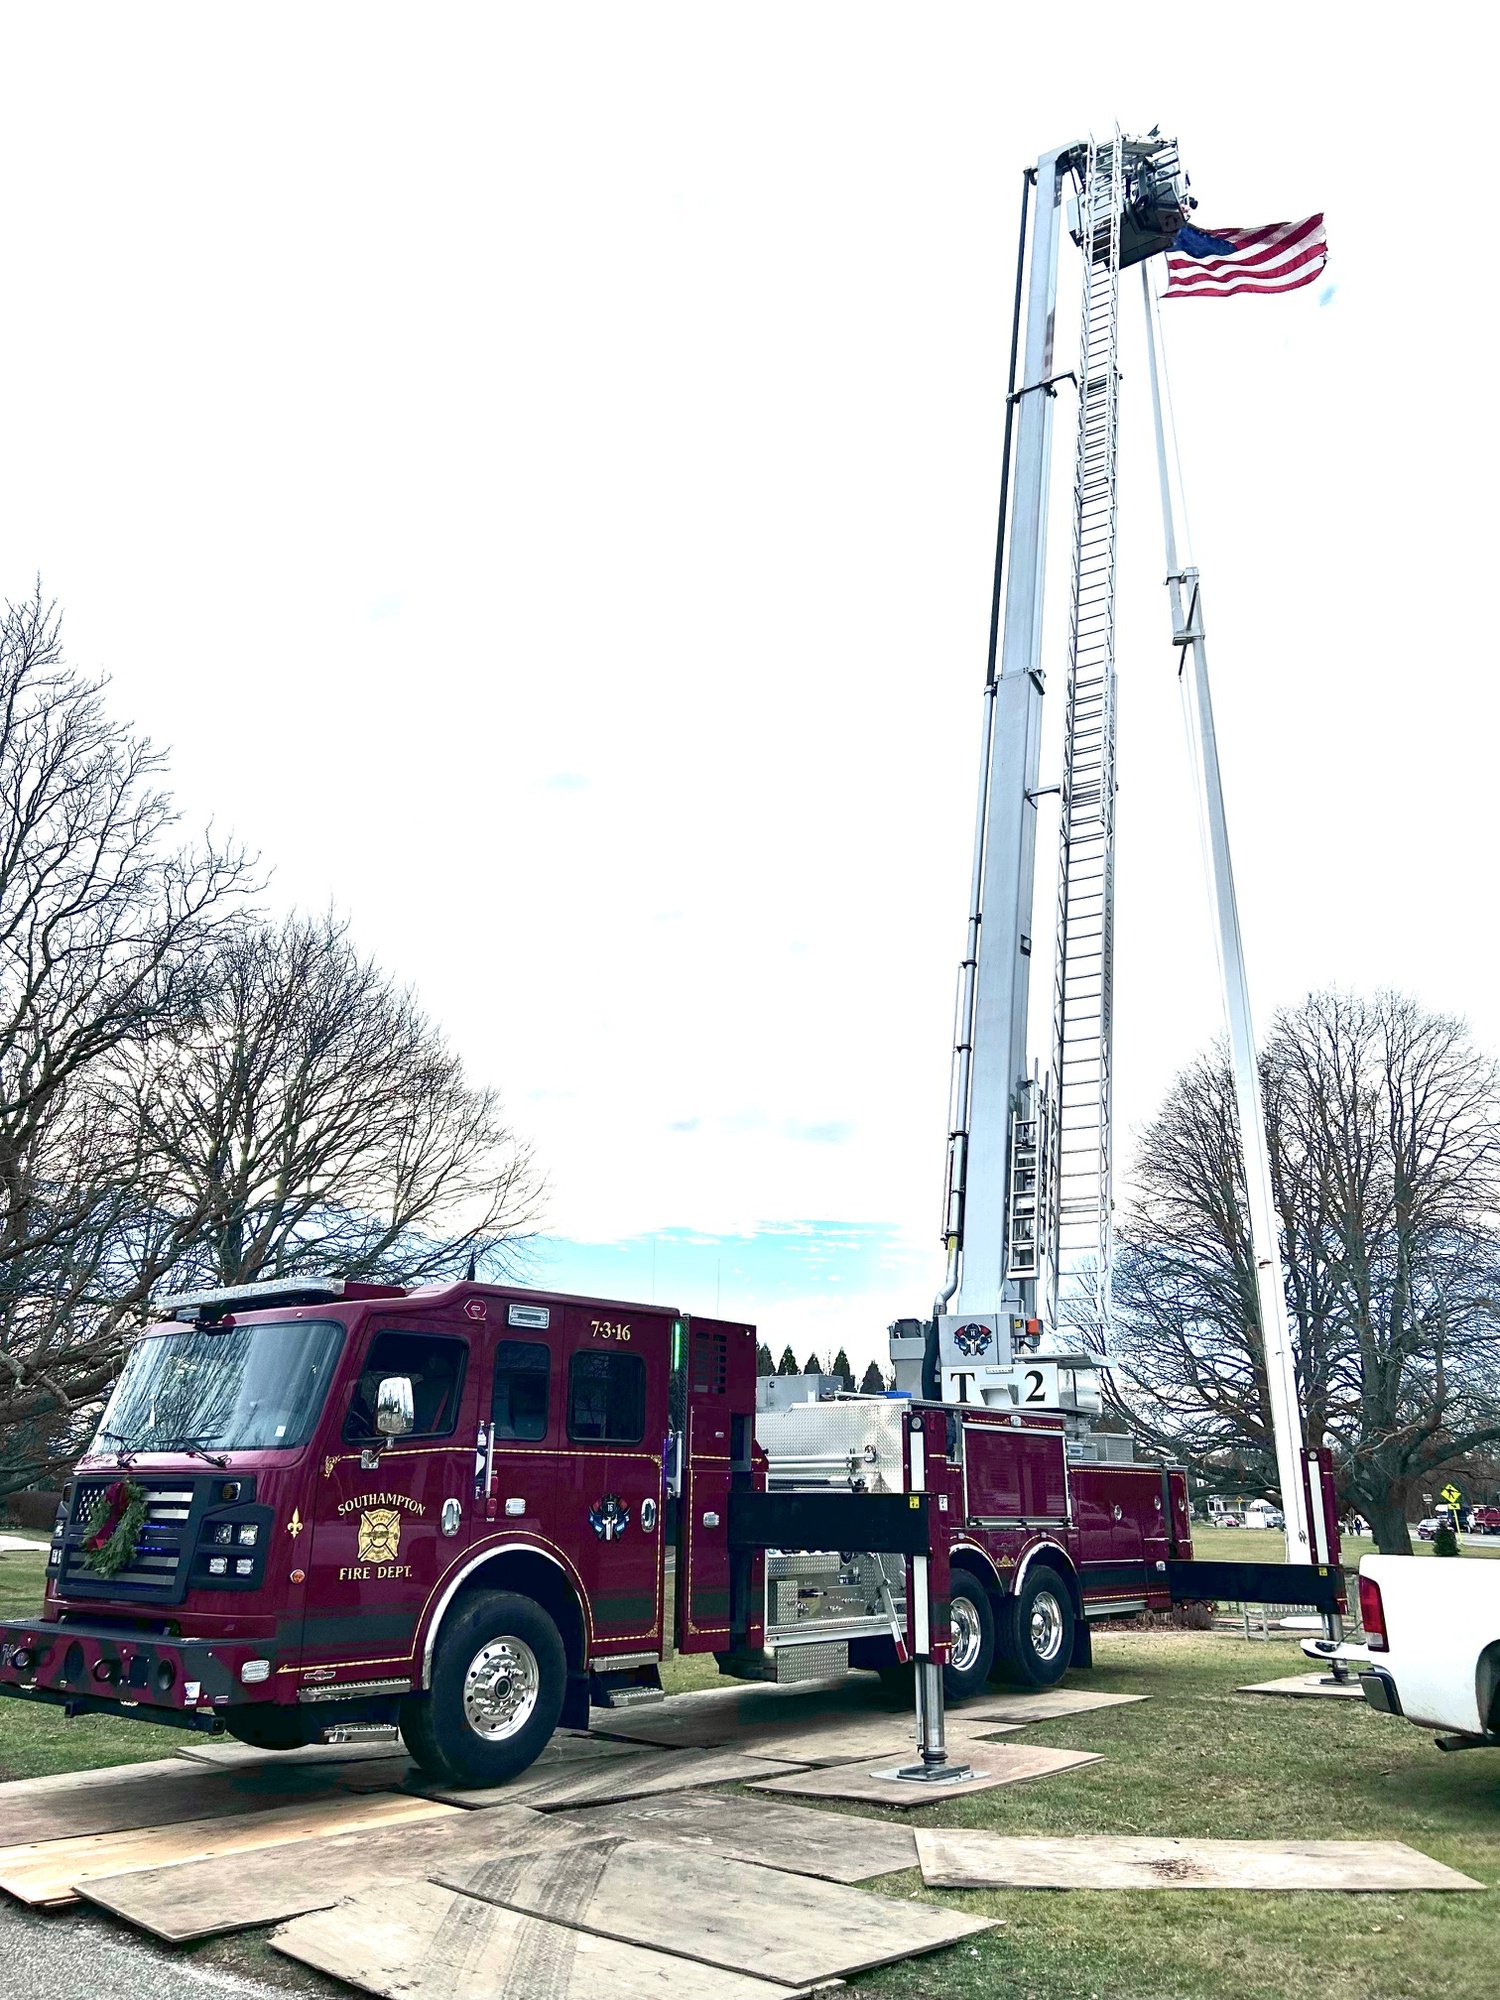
[[842, 1369], [873, 1383], [812, 1365], [764, 1364], [788, 1362]]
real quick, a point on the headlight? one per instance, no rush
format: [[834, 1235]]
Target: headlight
[[245, 1566], [222, 1532], [218, 1565], [249, 1534]]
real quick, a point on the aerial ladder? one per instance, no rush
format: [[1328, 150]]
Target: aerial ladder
[[1029, 1197]]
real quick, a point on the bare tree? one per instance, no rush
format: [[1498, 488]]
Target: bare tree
[[186, 1093], [307, 1116], [103, 926], [1385, 1154]]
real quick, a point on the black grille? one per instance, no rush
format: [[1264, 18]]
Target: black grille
[[152, 1576]]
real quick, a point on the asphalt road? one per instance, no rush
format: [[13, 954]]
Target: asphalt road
[[66, 1954]]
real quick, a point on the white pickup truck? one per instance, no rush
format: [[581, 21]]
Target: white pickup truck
[[1431, 1650]]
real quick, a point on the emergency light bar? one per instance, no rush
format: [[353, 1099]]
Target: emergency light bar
[[214, 1304]]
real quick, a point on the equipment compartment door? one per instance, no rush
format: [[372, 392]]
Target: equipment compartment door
[[610, 1488], [1015, 1473], [383, 1532]]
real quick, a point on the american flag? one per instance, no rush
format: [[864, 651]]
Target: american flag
[[1222, 263]]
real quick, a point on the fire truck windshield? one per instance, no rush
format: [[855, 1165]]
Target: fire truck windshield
[[252, 1388]]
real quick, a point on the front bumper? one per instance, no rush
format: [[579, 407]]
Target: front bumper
[[104, 1668]]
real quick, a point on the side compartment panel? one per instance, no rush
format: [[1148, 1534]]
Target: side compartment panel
[[719, 1429]]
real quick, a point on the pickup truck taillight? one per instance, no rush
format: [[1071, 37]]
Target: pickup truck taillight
[[1372, 1615]]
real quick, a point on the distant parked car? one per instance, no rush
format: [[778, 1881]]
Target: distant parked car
[[1485, 1521], [1428, 1528], [1229, 1521]]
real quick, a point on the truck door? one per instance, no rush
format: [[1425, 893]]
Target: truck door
[[610, 1486], [526, 1418], [389, 1512]]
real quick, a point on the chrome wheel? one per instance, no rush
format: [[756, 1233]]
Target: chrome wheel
[[1046, 1626], [501, 1688], [968, 1636]]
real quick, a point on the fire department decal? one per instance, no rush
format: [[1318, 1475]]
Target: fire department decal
[[609, 1517], [377, 1558], [973, 1339], [379, 1535]]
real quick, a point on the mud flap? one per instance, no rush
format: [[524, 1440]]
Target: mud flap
[[575, 1708], [1083, 1644]]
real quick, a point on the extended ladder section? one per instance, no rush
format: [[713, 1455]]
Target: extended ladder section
[[1082, 991]]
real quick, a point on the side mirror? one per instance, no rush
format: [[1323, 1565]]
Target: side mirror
[[395, 1411]]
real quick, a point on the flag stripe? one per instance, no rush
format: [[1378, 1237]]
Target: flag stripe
[[1267, 252], [1221, 284], [1273, 257], [1195, 277]]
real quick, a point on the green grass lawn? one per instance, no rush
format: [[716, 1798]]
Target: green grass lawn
[[1197, 1759], [37, 1739], [1267, 1546]]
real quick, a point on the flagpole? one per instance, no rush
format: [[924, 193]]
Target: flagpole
[[1203, 751]]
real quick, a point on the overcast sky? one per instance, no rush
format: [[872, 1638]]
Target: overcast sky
[[536, 468]]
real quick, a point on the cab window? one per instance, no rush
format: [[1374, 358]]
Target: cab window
[[523, 1382], [606, 1398], [435, 1365]]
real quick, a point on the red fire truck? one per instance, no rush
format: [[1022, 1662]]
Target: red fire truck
[[316, 1508]]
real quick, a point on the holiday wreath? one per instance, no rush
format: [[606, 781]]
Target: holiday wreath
[[114, 1528]]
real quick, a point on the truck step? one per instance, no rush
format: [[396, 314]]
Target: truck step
[[625, 1687], [360, 1732]]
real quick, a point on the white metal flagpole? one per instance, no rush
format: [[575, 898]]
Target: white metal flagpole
[[1188, 636]]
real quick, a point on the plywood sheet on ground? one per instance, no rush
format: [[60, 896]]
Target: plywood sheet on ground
[[231, 1892], [1040, 1705], [716, 1717], [746, 1919], [560, 1754], [224, 1752], [551, 1788], [755, 1718], [875, 1783], [954, 1859], [837, 1847], [145, 1773], [854, 1739], [181, 1792], [49, 1871], [1313, 1686], [422, 1942]]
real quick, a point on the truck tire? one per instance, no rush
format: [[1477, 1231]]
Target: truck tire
[[1036, 1630], [498, 1681], [973, 1657]]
